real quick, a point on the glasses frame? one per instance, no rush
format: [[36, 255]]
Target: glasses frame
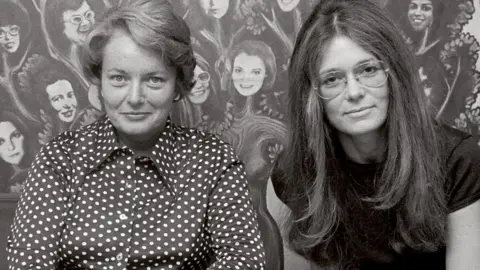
[[82, 17], [3, 34], [345, 81]]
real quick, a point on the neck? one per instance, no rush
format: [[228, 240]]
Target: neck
[[365, 148]]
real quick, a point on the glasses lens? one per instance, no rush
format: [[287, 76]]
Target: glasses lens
[[204, 77], [332, 84], [371, 74], [89, 15], [76, 19], [14, 30]]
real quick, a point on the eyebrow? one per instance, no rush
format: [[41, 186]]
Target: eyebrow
[[359, 63], [160, 72]]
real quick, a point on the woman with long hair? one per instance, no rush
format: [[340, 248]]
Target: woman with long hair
[[371, 179], [17, 149]]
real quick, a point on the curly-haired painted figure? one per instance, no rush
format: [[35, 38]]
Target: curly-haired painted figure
[[67, 22]]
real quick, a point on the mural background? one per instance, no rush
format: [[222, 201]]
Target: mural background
[[242, 49]]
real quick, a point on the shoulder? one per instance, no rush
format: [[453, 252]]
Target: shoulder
[[462, 159], [68, 142], [204, 144]]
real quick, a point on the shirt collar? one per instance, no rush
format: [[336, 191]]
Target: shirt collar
[[163, 153]]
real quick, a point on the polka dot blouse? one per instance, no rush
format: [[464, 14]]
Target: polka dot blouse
[[91, 203]]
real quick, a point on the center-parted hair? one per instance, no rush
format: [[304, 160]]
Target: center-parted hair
[[411, 180], [153, 25]]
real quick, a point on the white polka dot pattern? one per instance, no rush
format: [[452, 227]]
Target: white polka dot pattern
[[91, 203]]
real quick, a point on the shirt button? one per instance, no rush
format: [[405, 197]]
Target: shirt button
[[123, 217], [129, 186], [119, 256]]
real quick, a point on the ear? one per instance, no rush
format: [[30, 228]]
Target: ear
[[177, 97]]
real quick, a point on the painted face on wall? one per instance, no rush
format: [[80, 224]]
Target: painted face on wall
[[63, 100], [78, 23], [248, 74], [201, 89], [287, 5], [359, 109], [215, 8], [138, 88], [11, 143], [420, 14], [10, 37]]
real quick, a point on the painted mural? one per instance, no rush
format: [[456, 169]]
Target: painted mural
[[242, 48]]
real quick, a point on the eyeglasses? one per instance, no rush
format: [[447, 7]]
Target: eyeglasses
[[203, 77], [372, 74], [13, 30], [78, 19]]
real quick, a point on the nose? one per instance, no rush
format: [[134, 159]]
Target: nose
[[353, 89], [85, 23], [417, 11], [8, 36], [10, 145], [136, 96]]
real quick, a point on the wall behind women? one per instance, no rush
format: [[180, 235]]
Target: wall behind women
[[242, 48]]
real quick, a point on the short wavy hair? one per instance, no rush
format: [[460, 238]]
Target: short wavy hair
[[153, 25], [10, 14]]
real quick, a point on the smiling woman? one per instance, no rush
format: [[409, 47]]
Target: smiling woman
[[163, 195]]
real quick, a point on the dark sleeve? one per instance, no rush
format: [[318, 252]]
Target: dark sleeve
[[463, 183], [277, 178], [37, 226]]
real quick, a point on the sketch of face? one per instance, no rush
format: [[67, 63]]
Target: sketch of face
[[215, 8], [248, 74], [420, 14], [10, 37], [11, 143], [63, 100], [78, 23], [201, 89], [288, 5]]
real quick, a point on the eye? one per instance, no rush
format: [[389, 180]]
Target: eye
[[256, 72], [412, 6], [14, 30], [238, 70], [56, 98], [70, 94], [77, 19], [16, 134], [331, 79], [89, 15], [369, 70], [117, 80], [426, 7], [156, 81], [2, 141]]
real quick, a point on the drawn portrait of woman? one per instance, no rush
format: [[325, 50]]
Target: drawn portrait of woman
[[253, 134], [16, 151], [60, 101], [15, 45], [66, 24], [202, 107]]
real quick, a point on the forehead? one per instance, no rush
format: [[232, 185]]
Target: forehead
[[420, 2], [122, 52], [6, 128], [342, 53], [243, 59]]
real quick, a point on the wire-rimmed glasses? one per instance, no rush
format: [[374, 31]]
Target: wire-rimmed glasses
[[371, 74]]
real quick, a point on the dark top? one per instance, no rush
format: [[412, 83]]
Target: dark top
[[372, 227], [92, 203]]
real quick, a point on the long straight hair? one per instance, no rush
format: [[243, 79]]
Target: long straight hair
[[411, 184]]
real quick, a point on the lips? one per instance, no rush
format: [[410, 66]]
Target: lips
[[361, 109], [68, 113], [246, 85], [15, 155], [197, 92]]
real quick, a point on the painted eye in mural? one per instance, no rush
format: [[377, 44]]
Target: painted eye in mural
[[204, 77]]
